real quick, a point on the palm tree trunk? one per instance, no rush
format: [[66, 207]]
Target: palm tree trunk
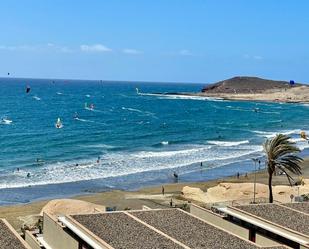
[[270, 176]]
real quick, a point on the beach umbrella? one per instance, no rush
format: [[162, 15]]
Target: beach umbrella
[[292, 82]]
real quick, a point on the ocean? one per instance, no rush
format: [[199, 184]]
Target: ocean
[[129, 139]]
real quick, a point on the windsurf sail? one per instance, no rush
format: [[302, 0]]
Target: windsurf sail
[[6, 121], [59, 124]]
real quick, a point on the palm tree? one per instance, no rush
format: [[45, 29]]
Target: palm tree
[[281, 153]]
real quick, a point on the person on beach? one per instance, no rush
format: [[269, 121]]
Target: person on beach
[[201, 164], [162, 190], [171, 203], [237, 175], [99, 158]]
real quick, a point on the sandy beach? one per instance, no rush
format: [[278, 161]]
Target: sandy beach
[[151, 196]]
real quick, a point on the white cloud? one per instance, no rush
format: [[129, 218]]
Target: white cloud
[[257, 57], [185, 52], [131, 51], [44, 47], [254, 57], [20, 47], [95, 48]]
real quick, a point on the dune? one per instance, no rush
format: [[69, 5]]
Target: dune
[[70, 206], [226, 192]]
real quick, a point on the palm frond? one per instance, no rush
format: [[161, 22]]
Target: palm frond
[[282, 153]]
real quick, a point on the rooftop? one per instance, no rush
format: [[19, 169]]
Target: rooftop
[[121, 231], [190, 230], [160, 228], [9, 239], [281, 215], [301, 206]]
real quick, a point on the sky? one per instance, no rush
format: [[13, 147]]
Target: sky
[[198, 41]]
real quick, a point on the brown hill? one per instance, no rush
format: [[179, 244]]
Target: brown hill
[[245, 84]]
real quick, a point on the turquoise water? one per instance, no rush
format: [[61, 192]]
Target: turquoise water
[[135, 136]]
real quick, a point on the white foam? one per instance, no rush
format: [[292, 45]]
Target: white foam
[[104, 146], [123, 163], [139, 111], [188, 97], [267, 134], [36, 98], [93, 110], [164, 142], [132, 109], [84, 120], [6, 121], [228, 143], [275, 121], [178, 96], [290, 132]]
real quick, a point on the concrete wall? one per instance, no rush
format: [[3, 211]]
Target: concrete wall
[[144, 207], [31, 240], [55, 236], [265, 241], [218, 221]]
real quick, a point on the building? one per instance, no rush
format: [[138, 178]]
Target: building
[[146, 229], [264, 224], [258, 226], [9, 238]]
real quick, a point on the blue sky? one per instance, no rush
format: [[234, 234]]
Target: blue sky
[[162, 40]]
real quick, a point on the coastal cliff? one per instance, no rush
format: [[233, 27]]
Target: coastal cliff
[[254, 88], [246, 84]]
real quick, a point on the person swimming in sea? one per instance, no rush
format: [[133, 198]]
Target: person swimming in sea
[[75, 115], [175, 175]]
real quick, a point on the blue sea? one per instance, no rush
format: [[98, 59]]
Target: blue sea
[[129, 139]]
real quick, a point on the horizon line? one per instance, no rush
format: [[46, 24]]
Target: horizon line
[[98, 80]]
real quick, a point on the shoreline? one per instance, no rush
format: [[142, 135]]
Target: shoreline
[[131, 182], [295, 95], [135, 199]]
